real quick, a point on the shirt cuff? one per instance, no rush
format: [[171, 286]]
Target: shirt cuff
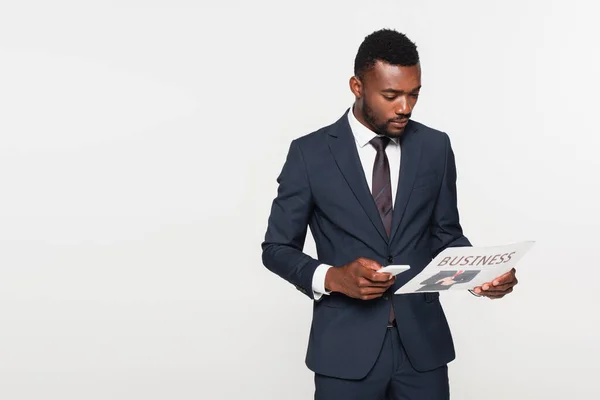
[[318, 282]]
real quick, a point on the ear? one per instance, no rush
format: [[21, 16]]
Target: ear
[[356, 87]]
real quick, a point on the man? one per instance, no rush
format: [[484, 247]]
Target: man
[[376, 188]]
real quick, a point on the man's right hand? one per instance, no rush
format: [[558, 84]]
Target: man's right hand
[[359, 279]]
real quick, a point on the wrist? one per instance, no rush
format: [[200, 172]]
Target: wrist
[[331, 279]]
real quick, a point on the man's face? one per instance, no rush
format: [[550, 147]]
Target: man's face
[[386, 96]]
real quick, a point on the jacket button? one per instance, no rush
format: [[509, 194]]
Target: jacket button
[[390, 259]]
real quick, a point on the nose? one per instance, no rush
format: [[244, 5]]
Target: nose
[[403, 106]]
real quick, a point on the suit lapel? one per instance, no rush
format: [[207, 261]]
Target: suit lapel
[[343, 147], [409, 163]]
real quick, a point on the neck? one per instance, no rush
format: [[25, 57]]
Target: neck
[[358, 114]]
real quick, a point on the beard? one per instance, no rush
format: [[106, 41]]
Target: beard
[[381, 128]]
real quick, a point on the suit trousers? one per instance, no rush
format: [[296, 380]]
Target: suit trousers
[[391, 378]]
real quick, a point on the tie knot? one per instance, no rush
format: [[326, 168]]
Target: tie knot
[[380, 142]]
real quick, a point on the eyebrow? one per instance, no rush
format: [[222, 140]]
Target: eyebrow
[[394, 91]]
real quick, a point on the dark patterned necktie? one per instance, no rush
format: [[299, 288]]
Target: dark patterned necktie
[[382, 189]]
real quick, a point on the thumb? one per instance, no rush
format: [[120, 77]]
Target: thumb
[[370, 264], [503, 277]]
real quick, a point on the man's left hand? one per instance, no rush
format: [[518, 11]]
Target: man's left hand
[[499, 287]]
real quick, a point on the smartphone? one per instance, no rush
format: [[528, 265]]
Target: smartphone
[[394, 269]]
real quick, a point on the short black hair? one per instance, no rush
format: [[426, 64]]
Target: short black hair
[[385, 45]]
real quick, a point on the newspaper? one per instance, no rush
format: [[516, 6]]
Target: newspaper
[[462, 268]]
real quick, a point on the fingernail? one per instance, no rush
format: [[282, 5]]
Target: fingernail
[[477, 291], [485, 287], [496, 283]]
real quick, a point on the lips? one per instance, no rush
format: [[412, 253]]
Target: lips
[[401, 122]]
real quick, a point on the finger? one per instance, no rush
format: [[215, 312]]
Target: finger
[[364, 282], [490, 287], [503, 282], [370, 292], [499, 288], [370, 264], [486, 289], [370, 297], [493, 295], [505, 278], [498, 292], [378, 276], [498, 282]]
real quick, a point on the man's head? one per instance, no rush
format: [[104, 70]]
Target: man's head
[[386, 81]]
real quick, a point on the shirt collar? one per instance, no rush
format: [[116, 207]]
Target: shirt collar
[[362, 134]]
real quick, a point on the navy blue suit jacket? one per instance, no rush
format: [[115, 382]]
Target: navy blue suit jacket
[[322, 186]]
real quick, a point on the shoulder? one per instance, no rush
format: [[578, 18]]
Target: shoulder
[[428, 133], [315, 143], [435, 144], [434, 141], [313, 138]]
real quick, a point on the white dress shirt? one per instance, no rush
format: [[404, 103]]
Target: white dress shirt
[[367, 153]]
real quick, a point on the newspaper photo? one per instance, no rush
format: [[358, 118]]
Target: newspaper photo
[[462, 268]]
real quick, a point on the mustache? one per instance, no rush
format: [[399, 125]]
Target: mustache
[[401, 117]]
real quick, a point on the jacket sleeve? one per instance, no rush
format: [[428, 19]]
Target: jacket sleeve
[[288, 223], [445, 225]]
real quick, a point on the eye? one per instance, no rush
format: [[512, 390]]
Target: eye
[[414, 95], [389, 98]]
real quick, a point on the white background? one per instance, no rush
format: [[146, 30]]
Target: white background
[[139, 146]]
